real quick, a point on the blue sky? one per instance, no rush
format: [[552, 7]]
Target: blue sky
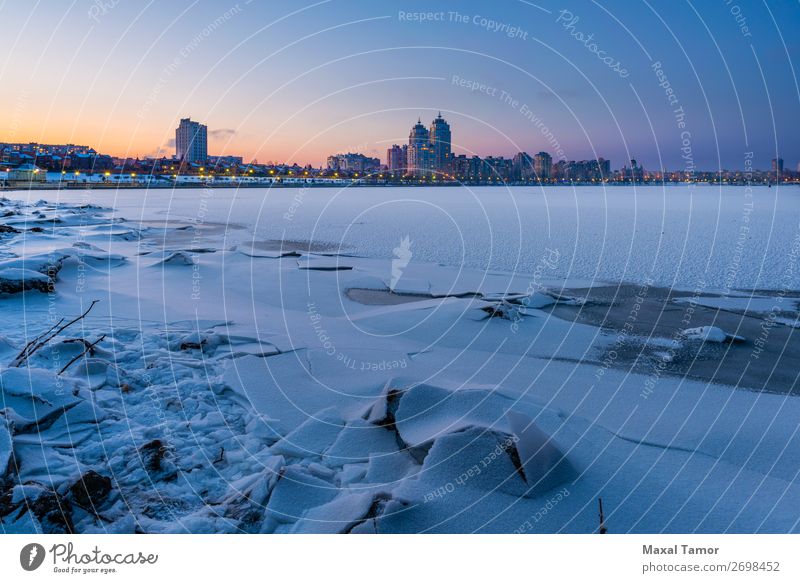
[[296, 81]]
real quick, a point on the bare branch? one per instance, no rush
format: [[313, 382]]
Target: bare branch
[[85, 343], [89, 348], [32, 342], [43, 339]]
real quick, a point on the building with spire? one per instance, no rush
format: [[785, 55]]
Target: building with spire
[[440, 142], [420, 151]]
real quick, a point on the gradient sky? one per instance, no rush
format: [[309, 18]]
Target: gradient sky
[[291, 81]]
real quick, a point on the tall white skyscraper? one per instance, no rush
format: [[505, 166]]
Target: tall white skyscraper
[[191, 141]]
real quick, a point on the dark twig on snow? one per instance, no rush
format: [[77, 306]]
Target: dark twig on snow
[[89, 348], [220, 456], [46, 337], [85, 343], [24, 353], [602, 516]]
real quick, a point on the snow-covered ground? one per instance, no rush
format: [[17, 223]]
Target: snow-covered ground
[[382, 360]]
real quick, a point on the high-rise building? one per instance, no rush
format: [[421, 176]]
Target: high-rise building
[[558, 171], [467, 169], [397, 158], [497, 169], [420, 153], [522, 164], [542, 164], [604, 167], [777, 167], [191, 141], [441, 142], [426, 158], [635, 173]]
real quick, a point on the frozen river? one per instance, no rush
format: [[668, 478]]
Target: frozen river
[[705, 237], [295, 393]]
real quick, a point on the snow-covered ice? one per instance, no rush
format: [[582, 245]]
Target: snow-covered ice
[[245, 372]]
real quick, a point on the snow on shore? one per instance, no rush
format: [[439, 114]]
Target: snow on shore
[[237, 387]]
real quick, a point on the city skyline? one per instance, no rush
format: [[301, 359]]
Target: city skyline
[[425, 159], [357, 73], [195, 149]]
